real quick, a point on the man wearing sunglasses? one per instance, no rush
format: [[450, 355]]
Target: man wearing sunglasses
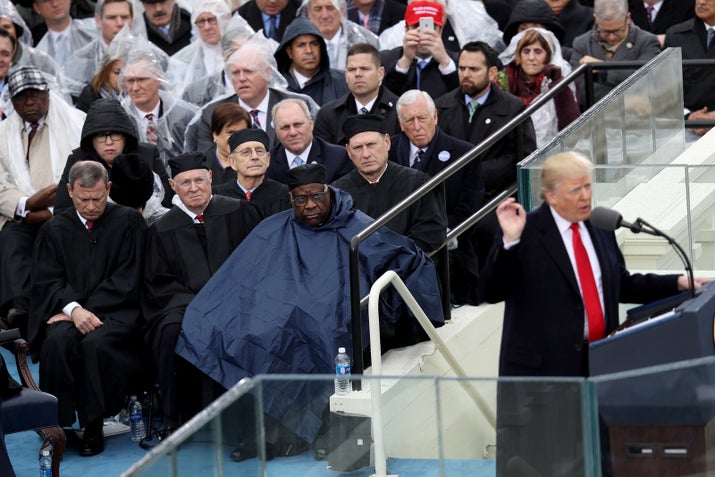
[[35, 141]]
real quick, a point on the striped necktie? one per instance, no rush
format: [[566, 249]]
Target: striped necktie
[[256, 121]]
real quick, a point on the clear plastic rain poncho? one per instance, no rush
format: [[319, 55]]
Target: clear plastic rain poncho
[[351, 34], [469, 20], [263, 49], [545, 119], [81, 32], [204, 90], [64, 123], [26, 55], [146, 61], [199, 59], [85, 62]]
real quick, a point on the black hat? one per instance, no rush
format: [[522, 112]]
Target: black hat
[[306, 174], [187, 162], [132, 181], [248, 135], [363, 123], [532, 11]]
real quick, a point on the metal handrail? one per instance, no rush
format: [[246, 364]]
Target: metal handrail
[[439, 178], [387, 279], [586, 69]]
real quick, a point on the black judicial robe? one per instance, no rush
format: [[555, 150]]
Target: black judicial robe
[[177, 266], [270, 196], [100, 269], [425, 221]]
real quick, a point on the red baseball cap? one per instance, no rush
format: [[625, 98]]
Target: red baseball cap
[[420, 9]]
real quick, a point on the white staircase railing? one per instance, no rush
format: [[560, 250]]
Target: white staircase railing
[[391, 278]]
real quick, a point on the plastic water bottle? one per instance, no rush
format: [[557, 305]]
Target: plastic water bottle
[[136, 419], [46, 461], [343, 385]]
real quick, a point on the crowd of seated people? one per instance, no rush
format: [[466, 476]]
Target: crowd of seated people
[[208, 110]]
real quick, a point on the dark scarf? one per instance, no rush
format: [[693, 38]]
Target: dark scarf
[[173, 25], [527, 91]]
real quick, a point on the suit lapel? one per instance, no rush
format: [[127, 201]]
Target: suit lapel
[[554, 245]]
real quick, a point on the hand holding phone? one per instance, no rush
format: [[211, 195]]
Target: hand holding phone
[[426, 23]]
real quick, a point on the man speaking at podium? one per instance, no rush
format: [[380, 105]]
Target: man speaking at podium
[[561, 278]]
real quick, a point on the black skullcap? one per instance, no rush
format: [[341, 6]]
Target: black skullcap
[[363, 123], [306, 174], [187, 162], [132, 181], [248, 135]]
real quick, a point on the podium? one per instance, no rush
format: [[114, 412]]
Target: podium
[[660, 423]]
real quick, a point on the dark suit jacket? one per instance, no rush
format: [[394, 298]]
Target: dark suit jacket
[[670, 13], [182, 37], [250, 12], [499, 162], [432, 80], [392, 12], [198, 133], [464, 190], [464, 194], [334, 158], [544, 313], [690, 37], [330, 118]]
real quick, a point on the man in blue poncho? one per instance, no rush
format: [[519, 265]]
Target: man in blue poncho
[[280, 303]]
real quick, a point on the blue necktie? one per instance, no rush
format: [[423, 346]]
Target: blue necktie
[[711, 36], [273, 25], [420, 66]]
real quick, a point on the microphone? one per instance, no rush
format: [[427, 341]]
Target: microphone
[[610, 220]]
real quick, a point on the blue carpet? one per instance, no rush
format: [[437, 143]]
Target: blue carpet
[[197, 459]]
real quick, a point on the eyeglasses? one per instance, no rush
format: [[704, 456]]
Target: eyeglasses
[[616, 32], [103, 136], [248, 152], [27, 95], [206, 21], [301, 200]]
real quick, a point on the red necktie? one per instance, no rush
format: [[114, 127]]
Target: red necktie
[[200, 218], [89, 224], [151, 131], [649, 14], [594, 312], [248, 195]]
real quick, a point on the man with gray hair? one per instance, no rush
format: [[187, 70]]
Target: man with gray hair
[[614, 38], [297, 145], [253, 74], [339, 33], [422, 145]]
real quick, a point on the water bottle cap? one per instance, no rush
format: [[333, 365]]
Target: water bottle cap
[[341, 350], [45, 453]]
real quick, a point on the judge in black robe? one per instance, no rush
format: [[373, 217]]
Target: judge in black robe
[[88, 263], [251, 182], [182, 254], [376, 186]]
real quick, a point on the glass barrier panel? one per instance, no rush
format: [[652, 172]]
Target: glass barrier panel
[[431, 426], [640, 122]]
